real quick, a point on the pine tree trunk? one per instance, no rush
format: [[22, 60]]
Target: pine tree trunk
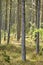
[[19, 20], [42, 14], [23, 31], [0, 19], [9, 23], [5, 21], [37, 24]]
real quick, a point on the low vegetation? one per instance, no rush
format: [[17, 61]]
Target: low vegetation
[[11, 55]]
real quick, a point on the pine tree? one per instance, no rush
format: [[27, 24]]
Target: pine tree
[[23, 31]]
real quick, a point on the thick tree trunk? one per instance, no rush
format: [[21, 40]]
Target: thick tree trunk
[[23, 31]]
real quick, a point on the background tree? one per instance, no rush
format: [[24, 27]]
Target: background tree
[[6, 20], [42, 13], [9, 23], [0, 18], [18, 20]]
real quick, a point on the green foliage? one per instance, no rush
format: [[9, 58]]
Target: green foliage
[[40, 30], [6, 57]]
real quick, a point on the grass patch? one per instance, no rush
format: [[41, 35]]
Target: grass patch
[[11, 55]]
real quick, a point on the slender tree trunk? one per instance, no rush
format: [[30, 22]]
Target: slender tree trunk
[[37, 24], [33, 11], [9, 23], [0, 19], [19, 20], [42, 14], [5, 20], [23, 31]]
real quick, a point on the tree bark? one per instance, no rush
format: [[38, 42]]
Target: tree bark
[[42, 14], [19, 20], [23, 31], [9, 23], [5, 21], [0, 19], [37, 24]]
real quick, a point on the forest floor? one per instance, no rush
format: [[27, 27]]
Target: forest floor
[[11, 54]]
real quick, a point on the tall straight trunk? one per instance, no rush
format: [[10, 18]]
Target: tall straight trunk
[[23, 31], [37, 24], [42, 14], [9, 23], [5, 20], [33, 10], [0, 19], [19, 20]]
